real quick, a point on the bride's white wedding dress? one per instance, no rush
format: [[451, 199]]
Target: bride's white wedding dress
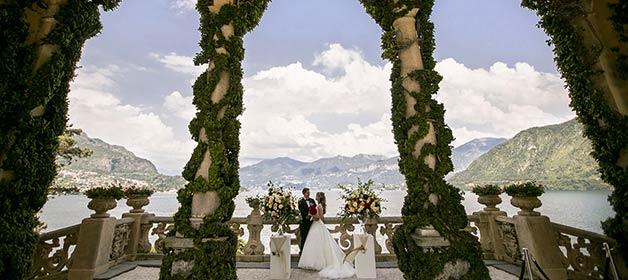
[[321, 252]]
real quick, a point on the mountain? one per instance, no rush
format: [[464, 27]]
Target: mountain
[[555, 155], [329, 172], [110, 163], [323, 173], [463, 155]]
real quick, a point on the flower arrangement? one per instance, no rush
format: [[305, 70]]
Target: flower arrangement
[[279, 206], [487, 189], [110, 191], [361, 202], [135, 190], [525, 189]]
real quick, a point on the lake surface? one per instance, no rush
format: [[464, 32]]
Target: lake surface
[[580, 209]]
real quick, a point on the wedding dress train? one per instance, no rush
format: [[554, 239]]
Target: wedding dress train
[[321, 252]]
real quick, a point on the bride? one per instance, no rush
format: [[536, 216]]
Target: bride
[[321, 252]]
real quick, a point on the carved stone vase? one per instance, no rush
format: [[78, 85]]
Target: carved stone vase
[[137, 201], [490, 201], [101, 206], [526, 204]]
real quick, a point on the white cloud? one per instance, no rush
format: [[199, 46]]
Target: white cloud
[[179, 63], [95, 108], [284, 103], [500, 101], [180, 106], [184, 5], [280, 102]]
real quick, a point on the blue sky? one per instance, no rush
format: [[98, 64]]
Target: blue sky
[[315, 83]]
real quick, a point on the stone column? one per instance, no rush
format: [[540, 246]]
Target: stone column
[[91, 256], [490, 238], [536, 233], [255, 225], [371, 228], [411, 60], [135, 237], [204, 204], [144, 245]]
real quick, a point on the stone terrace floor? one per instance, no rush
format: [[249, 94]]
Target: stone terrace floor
[[150, 271]]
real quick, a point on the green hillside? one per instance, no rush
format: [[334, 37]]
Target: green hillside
[[110, 163], [556, 156]]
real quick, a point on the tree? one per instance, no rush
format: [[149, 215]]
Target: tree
[[68, 151]]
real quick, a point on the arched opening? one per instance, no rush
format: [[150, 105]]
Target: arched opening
[[9, 172]]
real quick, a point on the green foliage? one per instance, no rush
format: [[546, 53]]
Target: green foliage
[[488, 189], [607, 129], [68, 151], [216, 259], [557, 156], [525, 189], [111, 191], [447, 216], [28, 145], [254, 201]]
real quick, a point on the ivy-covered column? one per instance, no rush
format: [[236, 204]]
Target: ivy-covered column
[[590, 39], [431, 243], [204, 246], [41, 44]]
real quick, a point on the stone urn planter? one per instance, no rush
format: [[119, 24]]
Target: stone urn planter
[[101, 206], [490, 201], [137, 201], [526, 204]]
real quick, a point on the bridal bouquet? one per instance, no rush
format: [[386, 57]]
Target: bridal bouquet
[[279, 206], [361, 202]]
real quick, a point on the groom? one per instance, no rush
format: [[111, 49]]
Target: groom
[[304, 207]]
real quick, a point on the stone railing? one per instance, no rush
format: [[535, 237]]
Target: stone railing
[[85, 250], [563, 252], [156, 229], [583, 252], [54, 253], [121, 239]]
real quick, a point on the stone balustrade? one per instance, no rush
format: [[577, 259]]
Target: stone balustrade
[[140, 235], [54, 253], [157, 229]]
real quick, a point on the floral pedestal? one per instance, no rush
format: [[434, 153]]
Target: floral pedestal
[[526, 204], [365, 258], [280, 257], [101, 206], [137, 202], [490, 201]]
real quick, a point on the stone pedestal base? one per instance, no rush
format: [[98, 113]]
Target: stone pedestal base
[[93, 248], [280, 257], [428, 238], [538, 235], [365, 261]]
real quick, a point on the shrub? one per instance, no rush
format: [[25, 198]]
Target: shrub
[[110, 191], [525, 189], [488, 189]]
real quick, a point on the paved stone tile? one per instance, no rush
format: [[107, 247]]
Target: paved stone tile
[[152, 273]]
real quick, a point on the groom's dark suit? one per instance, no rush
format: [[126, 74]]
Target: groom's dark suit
[[304, 227]]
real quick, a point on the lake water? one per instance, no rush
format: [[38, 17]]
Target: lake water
[[580, 209]]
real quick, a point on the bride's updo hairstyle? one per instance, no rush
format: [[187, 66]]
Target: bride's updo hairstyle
[[322, 200]]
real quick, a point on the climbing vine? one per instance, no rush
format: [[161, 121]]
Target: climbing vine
[[33, 113], [606, 128], [447, 216], [215, 244]]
